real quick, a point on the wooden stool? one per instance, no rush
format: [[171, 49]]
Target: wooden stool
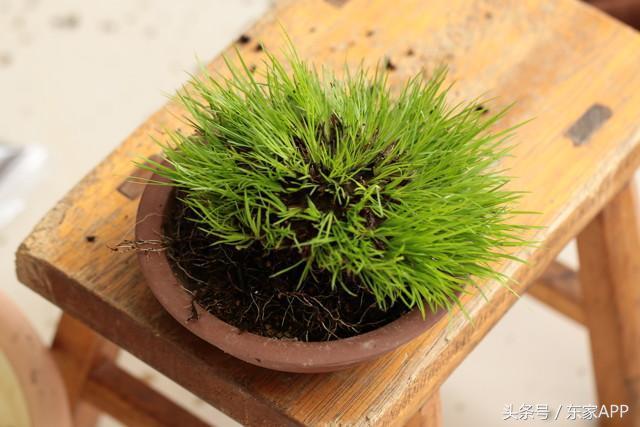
[[573, 69], [31, 388]]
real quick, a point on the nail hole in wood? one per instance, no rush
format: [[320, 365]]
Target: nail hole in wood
[[588, 123], [243, 39], [389, 65]]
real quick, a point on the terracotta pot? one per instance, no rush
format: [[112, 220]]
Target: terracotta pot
[[625, 10], [282, 355]]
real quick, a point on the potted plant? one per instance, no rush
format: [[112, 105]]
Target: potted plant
[[309, 222]]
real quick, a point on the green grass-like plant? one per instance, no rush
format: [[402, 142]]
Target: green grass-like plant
[[401, 192]]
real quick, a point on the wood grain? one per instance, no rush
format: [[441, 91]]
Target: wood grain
[[132, 402], [430, 415], [75, 349], [610, 277], [94, 383], [554, 59]]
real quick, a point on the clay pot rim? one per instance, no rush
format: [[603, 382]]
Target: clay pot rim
[[278, 354]]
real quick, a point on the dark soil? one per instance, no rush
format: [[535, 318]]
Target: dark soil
[[235, 286]]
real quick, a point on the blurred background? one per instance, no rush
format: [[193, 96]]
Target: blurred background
[[76, 77]]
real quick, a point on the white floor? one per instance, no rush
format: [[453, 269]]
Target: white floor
[[78, 76]]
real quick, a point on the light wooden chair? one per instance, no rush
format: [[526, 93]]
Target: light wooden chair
[[569, 66], [32, 393]]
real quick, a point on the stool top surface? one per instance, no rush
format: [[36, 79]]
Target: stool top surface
[[570, 68]]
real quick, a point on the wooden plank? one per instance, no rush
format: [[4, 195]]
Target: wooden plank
[[132, 402], [75, 349], [549, 53], [559, 288], [93, 381], [609, 249], [430, 415]]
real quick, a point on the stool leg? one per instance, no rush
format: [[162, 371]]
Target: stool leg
[[430, 415], [94, 382], [76, 349], [609, 252]]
